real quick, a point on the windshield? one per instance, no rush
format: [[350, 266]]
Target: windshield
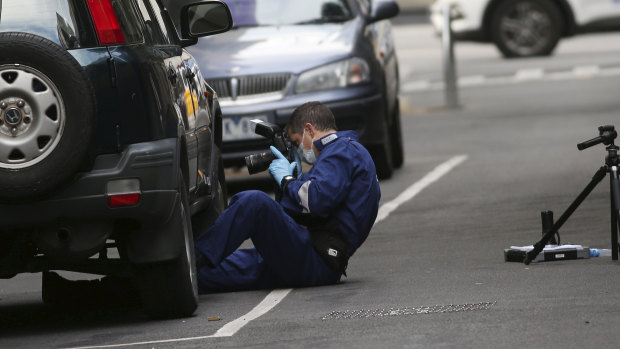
[[62, 21], [248, 13]]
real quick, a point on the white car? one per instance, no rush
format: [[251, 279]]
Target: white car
[[524, 28]]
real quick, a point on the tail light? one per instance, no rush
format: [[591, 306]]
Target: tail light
[[123, 192], [118, 200], [106, 23]]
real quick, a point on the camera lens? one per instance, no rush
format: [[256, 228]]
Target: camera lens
[[259, 162]]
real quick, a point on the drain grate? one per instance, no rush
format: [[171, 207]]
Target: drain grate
[[450, 308]]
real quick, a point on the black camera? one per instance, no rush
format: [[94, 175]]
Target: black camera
[[279, 139]]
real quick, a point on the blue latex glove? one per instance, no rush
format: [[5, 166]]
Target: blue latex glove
[[280, 167]]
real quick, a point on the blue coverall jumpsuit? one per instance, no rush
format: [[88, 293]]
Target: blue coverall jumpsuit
[[342, 184]]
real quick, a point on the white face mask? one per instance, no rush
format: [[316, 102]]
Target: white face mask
[[306, 155]]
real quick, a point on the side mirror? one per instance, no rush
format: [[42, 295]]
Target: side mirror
[[383, 10], [205, 18]]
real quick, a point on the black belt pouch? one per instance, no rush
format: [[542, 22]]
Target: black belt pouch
[[330, 243]]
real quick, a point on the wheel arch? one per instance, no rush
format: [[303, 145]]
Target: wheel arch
[[570, 26]]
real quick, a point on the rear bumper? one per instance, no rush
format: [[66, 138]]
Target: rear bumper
[[76, 221], [154, 164]]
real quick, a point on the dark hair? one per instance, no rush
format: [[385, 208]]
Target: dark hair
[[315, 113]]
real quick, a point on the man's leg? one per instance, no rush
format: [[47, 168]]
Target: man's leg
[[285, 256], [243, 270]]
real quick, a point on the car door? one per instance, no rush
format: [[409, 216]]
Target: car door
[[589, 11], [204, 133], [170, 59]]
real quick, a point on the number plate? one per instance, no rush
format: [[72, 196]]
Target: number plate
[[240, 128]]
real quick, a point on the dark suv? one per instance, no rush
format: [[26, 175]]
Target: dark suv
[[109, 139]]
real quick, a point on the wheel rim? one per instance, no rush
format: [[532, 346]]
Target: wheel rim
[[32, 116], [526, 28]]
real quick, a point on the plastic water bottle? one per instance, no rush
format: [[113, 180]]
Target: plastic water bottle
[[595, 252]]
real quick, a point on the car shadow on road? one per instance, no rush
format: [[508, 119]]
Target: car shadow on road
[[33, 318]]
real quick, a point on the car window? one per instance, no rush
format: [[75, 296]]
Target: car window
[[160, 21], [287, 12], [153, 31], [128, 20], [63, 21]]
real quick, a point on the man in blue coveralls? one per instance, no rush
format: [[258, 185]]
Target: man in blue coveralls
[[307, 237]]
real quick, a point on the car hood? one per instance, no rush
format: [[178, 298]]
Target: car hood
[[271, 49]]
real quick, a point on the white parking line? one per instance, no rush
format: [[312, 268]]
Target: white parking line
[[272, 299], [519, 77], [416, 85], [586, 71], [276, 296], [474, 80], [228, 330], [529, 74], [417, 187]]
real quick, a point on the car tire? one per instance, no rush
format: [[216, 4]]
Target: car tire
[[515, 25], [382, 155], [47, 116], [170, 289], [396, 137]]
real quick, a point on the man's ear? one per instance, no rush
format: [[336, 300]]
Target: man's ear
[[308, 126]]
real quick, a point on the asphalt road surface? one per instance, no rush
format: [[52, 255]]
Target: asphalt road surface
[[432, 273]]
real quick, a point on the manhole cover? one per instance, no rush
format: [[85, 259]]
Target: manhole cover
[[366, 313]]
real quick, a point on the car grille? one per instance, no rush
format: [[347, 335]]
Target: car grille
[[249, 85]]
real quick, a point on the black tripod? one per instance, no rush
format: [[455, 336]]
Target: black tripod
[[607, 134]]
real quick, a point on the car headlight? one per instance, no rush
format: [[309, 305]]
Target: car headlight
[[340, 74]]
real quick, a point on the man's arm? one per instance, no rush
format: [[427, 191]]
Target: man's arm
[[323, 189]]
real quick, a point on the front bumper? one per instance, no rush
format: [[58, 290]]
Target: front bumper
[[359, 108]]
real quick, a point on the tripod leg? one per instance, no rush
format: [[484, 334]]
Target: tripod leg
[[615, 203], [596, 179]]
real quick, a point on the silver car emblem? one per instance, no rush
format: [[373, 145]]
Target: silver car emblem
[[13, 117]]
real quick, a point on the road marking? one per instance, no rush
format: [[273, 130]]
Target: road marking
[[529, 74], [586, 71], [272, 299], [472, 80], [228, 330], [519, 77], [417, 85], [417, 187]]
